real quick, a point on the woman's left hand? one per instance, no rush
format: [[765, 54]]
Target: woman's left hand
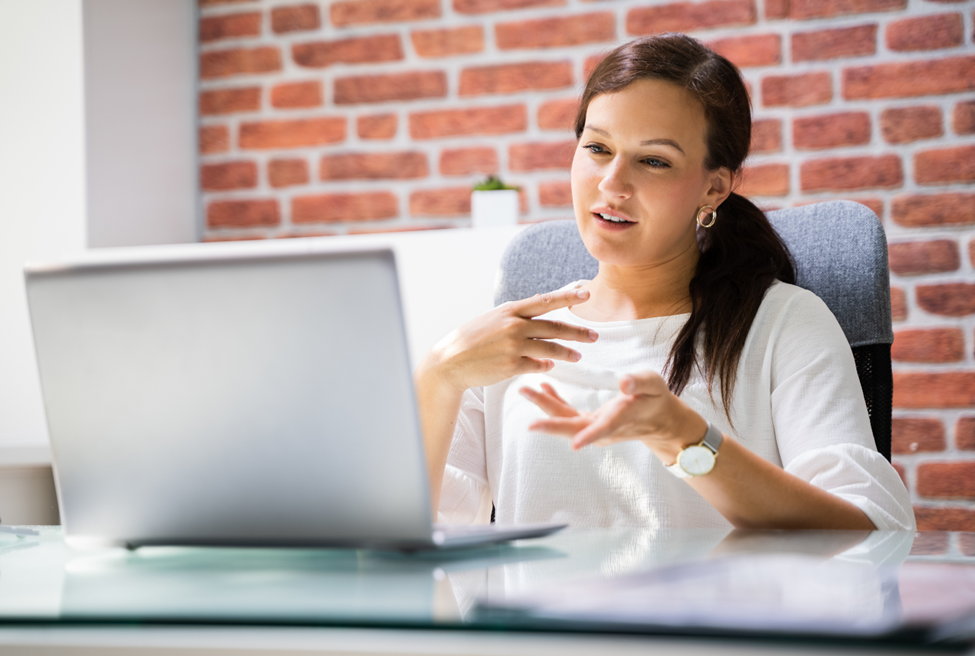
[[645, 410], [748, 490]]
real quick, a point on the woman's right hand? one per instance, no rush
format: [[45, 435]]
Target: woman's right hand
[[495, 346], [508, 341]]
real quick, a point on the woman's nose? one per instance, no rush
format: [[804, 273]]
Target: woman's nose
[[615, 182]]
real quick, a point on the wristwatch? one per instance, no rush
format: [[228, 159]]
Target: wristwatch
[[698, 459]]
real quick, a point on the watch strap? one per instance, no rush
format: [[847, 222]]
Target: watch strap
[[712, 438], [677, 470]]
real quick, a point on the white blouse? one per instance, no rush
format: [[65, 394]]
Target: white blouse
[[797, 403]]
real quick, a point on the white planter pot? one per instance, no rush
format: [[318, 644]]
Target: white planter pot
[[494, 208]]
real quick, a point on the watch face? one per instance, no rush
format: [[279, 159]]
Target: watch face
[[696, 460]]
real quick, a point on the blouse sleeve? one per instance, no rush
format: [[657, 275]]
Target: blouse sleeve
[[821, 423], [465, 497]]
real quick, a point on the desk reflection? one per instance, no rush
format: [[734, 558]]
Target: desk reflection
[[826, 583], [276, 585], [603, 579], [347, 586]]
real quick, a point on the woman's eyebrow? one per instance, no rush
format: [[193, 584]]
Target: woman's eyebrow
[[648, 142], [663, 142]]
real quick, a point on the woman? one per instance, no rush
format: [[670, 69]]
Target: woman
[[690, 351]]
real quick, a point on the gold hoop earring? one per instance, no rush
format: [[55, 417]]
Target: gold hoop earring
[[705, 210]]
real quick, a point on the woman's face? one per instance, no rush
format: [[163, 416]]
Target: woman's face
[[638, 175]]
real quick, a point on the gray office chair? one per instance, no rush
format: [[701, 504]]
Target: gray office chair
[[840, 253]]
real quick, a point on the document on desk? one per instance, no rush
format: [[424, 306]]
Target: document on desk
[[767, 594]]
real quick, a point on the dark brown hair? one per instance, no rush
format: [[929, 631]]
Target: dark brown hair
[[741, 254]]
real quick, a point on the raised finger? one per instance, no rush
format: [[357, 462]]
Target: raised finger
[[542, 348], [601, 427], [551, 390], [544, 329], [545, 303], [552, 405], [562, 426], [528, 365], [646, 382]]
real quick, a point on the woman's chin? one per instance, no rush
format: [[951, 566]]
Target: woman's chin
[[614, 254]]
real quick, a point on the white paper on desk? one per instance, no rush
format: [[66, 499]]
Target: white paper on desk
[[768, 593]]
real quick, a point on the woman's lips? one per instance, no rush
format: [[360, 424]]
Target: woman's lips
[[612, 220]]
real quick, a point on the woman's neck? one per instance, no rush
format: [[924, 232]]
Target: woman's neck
[[622, 293]]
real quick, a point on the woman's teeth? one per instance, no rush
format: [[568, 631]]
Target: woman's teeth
[[614, 219]]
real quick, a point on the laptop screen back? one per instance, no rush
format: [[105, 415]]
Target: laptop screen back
[[262, 399]]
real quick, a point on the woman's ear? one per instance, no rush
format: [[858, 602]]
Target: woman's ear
[[721, 181]]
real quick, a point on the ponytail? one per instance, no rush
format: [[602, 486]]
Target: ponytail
[[741, 257]]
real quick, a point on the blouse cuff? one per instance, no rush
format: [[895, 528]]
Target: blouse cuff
[[464, 499], [864, 478]]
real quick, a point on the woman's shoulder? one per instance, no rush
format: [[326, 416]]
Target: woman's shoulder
[[782, 292], [784, 298], [798, 316]]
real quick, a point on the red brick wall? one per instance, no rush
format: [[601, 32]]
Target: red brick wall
[[374, 115]]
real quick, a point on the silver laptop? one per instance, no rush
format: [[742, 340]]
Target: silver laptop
[[226, 396]]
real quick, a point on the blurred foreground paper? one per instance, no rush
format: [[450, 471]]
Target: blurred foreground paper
[[784, 594]]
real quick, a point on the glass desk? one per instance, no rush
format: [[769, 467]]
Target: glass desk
[[788, 590]]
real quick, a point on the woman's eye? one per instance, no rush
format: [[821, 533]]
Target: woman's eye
[[655, 163], [594, 148]]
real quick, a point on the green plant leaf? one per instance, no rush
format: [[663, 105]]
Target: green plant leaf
[[493, 183]]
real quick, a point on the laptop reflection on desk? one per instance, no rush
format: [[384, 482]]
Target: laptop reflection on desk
[[235, 395]]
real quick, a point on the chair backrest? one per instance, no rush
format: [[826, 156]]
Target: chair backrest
[[840, 252]]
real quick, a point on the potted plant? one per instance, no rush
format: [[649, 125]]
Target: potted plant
[[493, 203]]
